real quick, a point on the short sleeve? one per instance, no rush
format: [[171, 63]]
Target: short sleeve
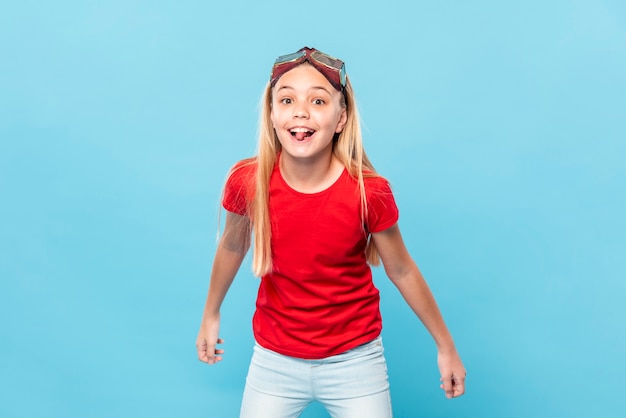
[[382, 211], [239, 187]]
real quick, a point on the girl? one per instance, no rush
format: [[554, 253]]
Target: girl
[[318, 213]]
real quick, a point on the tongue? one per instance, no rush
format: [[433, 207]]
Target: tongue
[[301, 135]]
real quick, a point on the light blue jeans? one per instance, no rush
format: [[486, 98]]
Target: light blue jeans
[[353, 384]]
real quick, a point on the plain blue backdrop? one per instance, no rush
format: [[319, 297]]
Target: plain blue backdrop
[[501, 126]]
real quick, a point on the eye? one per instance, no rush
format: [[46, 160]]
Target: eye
[[319, 101], [286, 100]]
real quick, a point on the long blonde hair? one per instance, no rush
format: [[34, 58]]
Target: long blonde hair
[[347, 148]]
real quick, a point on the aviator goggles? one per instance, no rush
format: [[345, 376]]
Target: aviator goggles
[[332, 68]]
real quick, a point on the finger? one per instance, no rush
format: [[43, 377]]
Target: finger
[[214, 354], [458, 386], [211, 350], [206, 352], [447, 386]]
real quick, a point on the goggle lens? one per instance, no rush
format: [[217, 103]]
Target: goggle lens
[[283, 59]]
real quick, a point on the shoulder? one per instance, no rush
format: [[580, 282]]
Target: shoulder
[[382, 211], [375, 184], [239, 188], [247, 165], [242, 171]]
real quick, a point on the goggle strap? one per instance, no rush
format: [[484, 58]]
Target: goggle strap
[[319, 57]]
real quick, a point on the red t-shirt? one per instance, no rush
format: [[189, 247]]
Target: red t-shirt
[[319, 299]]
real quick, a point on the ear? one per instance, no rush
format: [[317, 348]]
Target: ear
[[272, 117], [343, 119]]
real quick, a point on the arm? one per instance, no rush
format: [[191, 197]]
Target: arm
[[407, 277], [231, 250]]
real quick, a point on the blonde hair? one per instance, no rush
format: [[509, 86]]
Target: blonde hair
[[347, 148]]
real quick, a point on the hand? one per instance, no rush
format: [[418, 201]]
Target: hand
[[207, 341], [452, 373]]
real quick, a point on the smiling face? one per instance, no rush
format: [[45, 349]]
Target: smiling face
[[306, 113]]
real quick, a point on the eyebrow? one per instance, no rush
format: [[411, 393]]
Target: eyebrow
[[320, 88], [311, 88]]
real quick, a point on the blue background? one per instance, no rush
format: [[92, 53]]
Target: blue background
[[501, 126]]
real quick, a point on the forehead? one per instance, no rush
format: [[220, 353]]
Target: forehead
[[303, 76]]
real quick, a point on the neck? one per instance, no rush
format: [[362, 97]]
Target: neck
[[310, 175]]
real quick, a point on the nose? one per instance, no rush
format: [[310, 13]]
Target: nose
[[301, 111]]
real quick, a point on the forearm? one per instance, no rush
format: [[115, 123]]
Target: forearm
[[418, 296], [407, 277], [231, 250], [225, 267]]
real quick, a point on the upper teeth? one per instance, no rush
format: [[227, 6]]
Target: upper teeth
[[300, 130]]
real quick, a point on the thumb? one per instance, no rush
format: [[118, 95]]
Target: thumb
[[202, 346], [446, 385]]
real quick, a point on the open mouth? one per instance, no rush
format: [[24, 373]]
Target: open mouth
[[300, 134]]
